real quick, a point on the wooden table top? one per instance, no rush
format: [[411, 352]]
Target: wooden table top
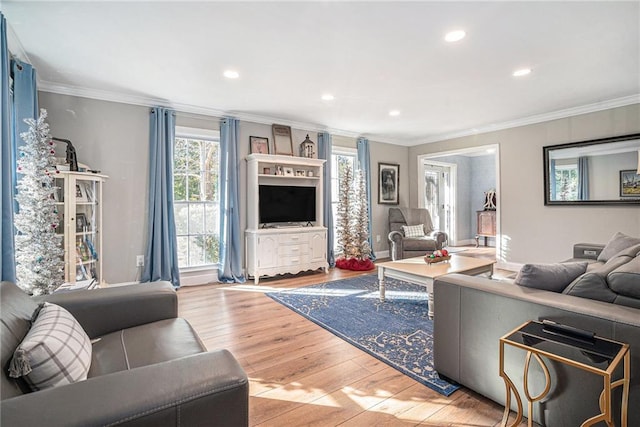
[[417, 266]]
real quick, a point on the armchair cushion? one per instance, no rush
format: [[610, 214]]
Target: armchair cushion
[[413, 230], [130, 348], [56, 350]]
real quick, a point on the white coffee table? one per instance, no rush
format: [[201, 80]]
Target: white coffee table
[[416, 270]]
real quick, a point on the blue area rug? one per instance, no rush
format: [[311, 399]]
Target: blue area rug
[[397, 331]]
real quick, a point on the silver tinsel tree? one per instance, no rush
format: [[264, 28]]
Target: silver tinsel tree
[[361, 217], [39, 253], [352, 225]]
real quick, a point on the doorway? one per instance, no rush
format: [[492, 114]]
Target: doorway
[[452, 185], [437, 195]]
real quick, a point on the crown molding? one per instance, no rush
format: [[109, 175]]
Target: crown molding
[[146, 101], [539, 118]]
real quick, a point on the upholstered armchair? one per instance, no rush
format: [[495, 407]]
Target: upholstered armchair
[[407, 239]]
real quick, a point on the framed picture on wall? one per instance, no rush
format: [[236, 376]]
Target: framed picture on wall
[[629, 184], [388, 184]]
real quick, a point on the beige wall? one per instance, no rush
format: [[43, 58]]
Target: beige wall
[[530, 231], [114, 138]]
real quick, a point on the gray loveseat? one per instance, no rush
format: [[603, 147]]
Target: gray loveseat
[[472, 313], [148, 366]]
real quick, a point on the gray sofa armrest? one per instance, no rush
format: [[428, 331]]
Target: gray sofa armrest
[[204, 389], [395, 238], [472, 313], [440, 237], [106, 310], [587, 250]]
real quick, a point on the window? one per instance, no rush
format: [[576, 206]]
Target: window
[[340, 157], [196, 196], [566, 182]]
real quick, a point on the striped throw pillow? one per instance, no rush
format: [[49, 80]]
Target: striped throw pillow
[[56, 350], [413, 230]]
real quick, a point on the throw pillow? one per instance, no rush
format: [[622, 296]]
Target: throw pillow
[[617, 243], [56, 350], [413, 230], [550, 277]]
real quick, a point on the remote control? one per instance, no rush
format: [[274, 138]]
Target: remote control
[[566, 330]]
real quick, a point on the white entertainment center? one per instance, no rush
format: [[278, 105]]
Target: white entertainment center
[[280, 248]]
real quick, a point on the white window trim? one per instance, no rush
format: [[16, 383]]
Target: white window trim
[[197, 133], [348, 151], [203, 274]]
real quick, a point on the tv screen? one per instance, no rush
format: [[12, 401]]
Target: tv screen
[[284, 203]]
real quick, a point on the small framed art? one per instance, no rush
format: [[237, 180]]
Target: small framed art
[[258, 144], [388, 184], [282, 142], [629, 184]]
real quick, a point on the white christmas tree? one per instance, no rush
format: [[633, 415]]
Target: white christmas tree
[[344, 234], [352, 224], [39, 252], [361, 218]]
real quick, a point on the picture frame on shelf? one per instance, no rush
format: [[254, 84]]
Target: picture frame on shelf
[[388, 184], [282, 142], [258, 144], [81, 192], [266, 171], [81, 222], [288, 171], [629, 184], [300, 172]]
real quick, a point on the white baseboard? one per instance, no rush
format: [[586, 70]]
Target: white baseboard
[[382, 254], [202, 277]]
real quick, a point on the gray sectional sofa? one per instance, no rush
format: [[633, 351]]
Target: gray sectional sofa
[[472, 313]]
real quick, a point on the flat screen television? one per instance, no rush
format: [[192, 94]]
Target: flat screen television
[[286, 203]]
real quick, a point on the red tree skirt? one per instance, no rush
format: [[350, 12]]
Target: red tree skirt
[[355, 264]]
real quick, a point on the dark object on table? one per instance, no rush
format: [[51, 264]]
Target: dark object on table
[[72, 158]]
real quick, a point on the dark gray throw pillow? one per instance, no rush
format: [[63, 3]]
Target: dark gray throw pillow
[[550, 277], [617, 243]]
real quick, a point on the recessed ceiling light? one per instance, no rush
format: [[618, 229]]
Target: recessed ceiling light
[[455, 36], [328, 97], [522, 72], [394, 113], [231, 74]]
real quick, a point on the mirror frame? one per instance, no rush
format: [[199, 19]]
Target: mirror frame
[[547, 192]]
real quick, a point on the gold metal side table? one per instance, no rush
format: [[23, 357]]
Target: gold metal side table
[[595, 354]]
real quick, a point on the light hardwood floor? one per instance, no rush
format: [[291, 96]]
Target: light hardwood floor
[[302, 375]]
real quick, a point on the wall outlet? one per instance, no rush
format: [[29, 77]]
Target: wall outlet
[[378, 238], [140, 261]]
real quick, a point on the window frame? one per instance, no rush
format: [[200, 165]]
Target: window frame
[[339, 151], [205, 273]]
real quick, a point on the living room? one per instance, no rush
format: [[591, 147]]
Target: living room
[[109, 127]]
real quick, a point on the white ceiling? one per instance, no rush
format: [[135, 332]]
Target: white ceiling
[[373, 56]]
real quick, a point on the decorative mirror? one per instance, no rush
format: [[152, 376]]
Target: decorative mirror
[[596, 172]]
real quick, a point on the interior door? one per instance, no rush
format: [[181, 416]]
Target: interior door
[[437, 196]]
